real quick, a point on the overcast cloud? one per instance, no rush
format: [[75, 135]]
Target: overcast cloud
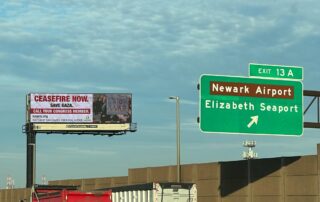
[[153, 49]]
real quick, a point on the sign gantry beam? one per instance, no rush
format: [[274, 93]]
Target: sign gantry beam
[[316, 97]]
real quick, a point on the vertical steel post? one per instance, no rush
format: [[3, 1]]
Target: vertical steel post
[[31, 159], [178, 137], [318, 109], [177, 99], [249, 179]]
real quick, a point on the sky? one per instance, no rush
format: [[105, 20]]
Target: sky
[[152, 49]]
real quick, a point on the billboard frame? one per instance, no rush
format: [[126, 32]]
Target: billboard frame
[[79, 128], [49, 129], [104, 129]]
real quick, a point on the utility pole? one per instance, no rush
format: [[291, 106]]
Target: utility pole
[[177, 99], [10, 182], [249, 154], [44, 180]]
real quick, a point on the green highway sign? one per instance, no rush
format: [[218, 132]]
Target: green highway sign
[[250, 105], [276, 71]]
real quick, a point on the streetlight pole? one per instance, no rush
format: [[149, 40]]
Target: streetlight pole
[[177, 133]]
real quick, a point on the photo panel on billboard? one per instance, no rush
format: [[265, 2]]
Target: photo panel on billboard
[[86, 111]]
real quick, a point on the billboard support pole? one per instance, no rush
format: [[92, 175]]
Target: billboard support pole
[[85, 110], [31, 158]]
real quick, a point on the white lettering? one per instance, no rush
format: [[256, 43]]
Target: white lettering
[[279, 108], [290, 73], [215, 104]]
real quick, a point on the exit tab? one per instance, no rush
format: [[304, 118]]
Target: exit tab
[[276, 71]]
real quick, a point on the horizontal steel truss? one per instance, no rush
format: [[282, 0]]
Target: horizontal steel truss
[[316, 97]]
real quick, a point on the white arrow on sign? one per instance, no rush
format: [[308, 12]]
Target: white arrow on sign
[[254, 119]]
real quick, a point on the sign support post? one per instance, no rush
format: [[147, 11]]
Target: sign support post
[[31, 158]]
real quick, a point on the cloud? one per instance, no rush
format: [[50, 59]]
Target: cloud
[[87, 152], [189, 102], [17, 83], [182, 101], [11, 155], [140, 36], [153, 49]]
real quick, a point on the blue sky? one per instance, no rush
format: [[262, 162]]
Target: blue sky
[[152, 49]]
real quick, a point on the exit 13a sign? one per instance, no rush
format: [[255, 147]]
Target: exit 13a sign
[[275, 71], [242, 105]]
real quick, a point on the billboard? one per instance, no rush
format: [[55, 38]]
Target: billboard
[[82, 111], [76, 127]]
